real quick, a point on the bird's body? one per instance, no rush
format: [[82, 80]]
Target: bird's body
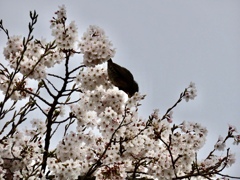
[[122, 78]]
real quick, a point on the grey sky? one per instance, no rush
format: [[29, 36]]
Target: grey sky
[[166, 44]]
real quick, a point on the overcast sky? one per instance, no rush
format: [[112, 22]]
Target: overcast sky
[[166, 44]]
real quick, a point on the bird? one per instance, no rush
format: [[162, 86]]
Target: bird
[[122, 78]]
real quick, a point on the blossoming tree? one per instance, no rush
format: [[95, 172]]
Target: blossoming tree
[[110, 141]]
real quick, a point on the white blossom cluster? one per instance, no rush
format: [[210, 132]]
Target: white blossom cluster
[[39, 128], [69, 169], [75, 156], [66, 36], [114, 171], [32, 62], [95, 46], [183, 145], [92, 77], [100, 104], [14, 45], [16, 89], [236, 139], [214, 159], [190, 92], [20, 154], [220, 145], [61, 13]]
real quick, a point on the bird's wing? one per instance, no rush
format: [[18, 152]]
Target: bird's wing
[[123, 72]]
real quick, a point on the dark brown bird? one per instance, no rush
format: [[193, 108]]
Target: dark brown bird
[[122, 78]]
